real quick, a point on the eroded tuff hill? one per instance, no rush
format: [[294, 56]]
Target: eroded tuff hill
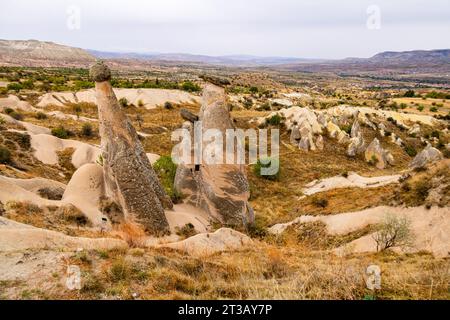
[[43, 54]]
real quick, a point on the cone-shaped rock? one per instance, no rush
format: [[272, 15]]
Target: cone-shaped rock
[[221, 190], [129, 178]]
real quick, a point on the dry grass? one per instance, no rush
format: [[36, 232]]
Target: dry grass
[[262, 272], [132, 233], [70, 222]]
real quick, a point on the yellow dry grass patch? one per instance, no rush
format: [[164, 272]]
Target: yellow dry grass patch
[[413, 103], [262, 272]]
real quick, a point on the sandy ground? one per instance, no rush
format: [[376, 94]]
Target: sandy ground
[[431, 227], [63, 116], [150, 97], [209, 243], [352, 180], [24, 191], [46, 147], [17, 236]]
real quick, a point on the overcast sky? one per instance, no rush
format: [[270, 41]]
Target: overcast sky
[[307, 29]]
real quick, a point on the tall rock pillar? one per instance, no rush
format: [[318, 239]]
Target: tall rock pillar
[[129, 177]]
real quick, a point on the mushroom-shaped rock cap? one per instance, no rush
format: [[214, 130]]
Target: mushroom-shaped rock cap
[[100, 72]]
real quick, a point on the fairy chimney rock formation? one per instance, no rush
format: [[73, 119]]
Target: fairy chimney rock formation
[[221, 190], [129, 178]]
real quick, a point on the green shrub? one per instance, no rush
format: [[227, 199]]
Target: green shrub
[[60, 132], [437, 95], [433, 109], [166, 170], [422, 189], [5, 155], [86, 130], [319, 202], [188, 230], [190, 86], [420, 107], [410, 150], [8, 110], [123, 102], [16, 115], [40, 115], [409, 94], [274, 120], [435, 134], [14, 86], [2, 121], [28, 84], [168, 105], [140, 103], [264, 107], [266, 163], [346, 128], [253, 90]]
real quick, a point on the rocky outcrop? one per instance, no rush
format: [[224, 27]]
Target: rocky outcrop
[[356, 146], [295, 134], [376, 154], [319, 142], [415, 130], [336, 133], [427, 155], [188, 116], [357, 143], [129, 178], [352, 180], [205, 244], [306, 133], [221, 190]]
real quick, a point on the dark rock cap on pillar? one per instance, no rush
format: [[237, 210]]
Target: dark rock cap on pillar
[[129, 177]]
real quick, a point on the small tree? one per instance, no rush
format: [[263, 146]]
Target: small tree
[[393, 232], [60, 132], [275, 120]]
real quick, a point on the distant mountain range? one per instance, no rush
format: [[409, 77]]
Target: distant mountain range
[[47, 54], [232, 60]]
